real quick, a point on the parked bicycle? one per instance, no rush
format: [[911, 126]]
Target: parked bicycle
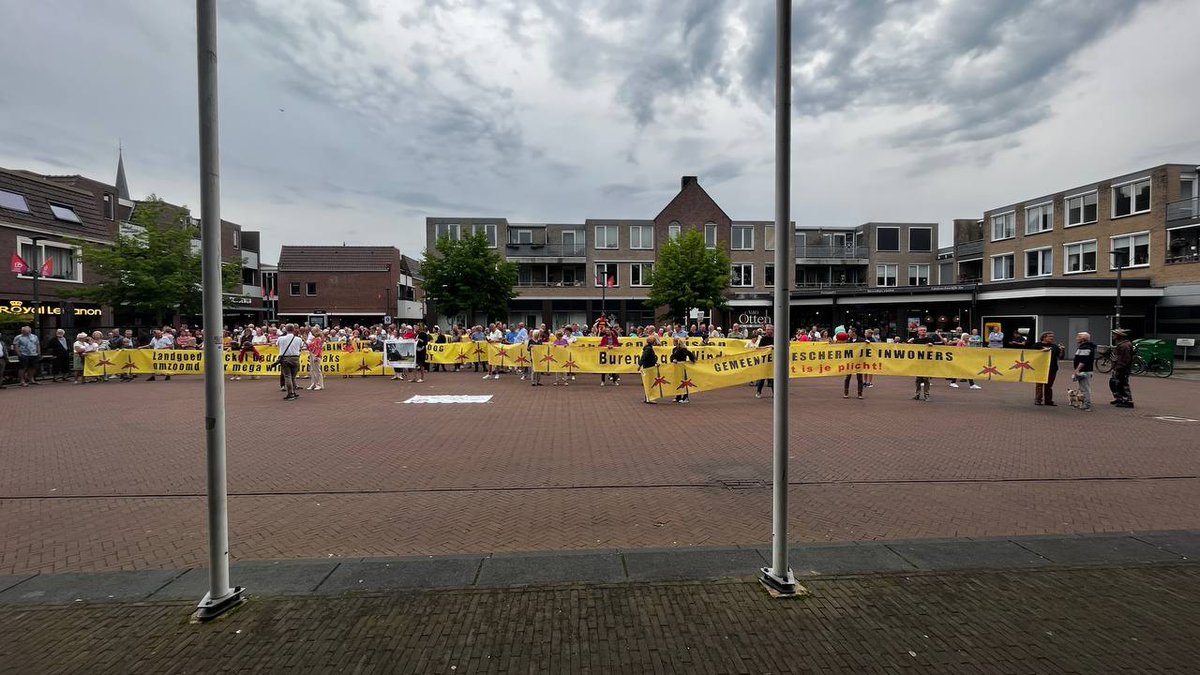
[[1104, 359], [1156, 365]]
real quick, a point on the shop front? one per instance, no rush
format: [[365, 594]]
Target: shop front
[[54, 314]]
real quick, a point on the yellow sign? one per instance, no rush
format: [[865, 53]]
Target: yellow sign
[[833, 360]]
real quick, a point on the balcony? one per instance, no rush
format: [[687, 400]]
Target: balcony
[[1183, 210], [529, 283], [252, 291], [249, 259], [968, 248], [810, 254], [545, 252], [828, 285]]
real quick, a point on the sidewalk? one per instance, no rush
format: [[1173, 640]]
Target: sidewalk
[[1033, 604]]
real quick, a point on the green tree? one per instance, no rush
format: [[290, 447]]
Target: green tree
[[689, 275], [152, 268], [467, 277]]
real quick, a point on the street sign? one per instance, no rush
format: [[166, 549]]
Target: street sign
[[1186, 342], [387, 318]]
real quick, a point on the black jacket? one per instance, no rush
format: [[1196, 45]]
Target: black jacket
[[649, 358], [681, 354]]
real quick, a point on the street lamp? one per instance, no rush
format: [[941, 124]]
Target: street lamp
[[37, 298], [1119, 260]]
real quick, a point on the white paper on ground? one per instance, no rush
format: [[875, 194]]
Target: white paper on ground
[[450, 399]]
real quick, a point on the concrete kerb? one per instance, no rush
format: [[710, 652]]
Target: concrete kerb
[[510, 570]]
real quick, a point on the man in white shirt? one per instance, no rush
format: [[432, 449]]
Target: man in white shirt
[[161, 340], [290, 345]]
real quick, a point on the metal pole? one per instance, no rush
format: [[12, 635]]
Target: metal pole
[[37, 296], [220, 597], [778, 578], [1118, 258]]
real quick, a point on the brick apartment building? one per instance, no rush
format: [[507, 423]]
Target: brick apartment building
[[563, 268], [344, 285], [1050, 262]]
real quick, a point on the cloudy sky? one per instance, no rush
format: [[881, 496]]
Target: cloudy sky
[[351, 121]]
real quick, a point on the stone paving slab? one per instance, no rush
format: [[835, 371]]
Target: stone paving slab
[[9, 580], [333, 577], [1048, 620], [61, 589], [1084, 550], [553, 568], [1181, 543]]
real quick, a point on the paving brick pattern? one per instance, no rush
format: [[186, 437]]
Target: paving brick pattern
[[1133, 620], [111, 476]]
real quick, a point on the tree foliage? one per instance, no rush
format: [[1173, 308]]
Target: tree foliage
[[152, 268], [464, 276], [689, 275]]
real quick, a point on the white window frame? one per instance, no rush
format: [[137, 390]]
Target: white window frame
[[42, 246], [898, 242], [992, 266], [769, 279], [517, 233], [768, 237], [1011, 216], [733, 277], [895, 270], [710, 228], [928, 273], [489, 232], [310, 285], [1067, 256], [452, 230], [1040, 208], [616, 232], [1043, 270], [674, 230], [1133, 197], [298, 286], [932, 244], [644, 269], [616, 275], [734, 244], [1082, 197], [643, 232], [1112, 247]]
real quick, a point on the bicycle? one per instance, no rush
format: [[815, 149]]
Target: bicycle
[[1104, 359], [1157, 366]]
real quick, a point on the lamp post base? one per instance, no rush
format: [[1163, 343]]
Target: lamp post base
[[781, 587], [209, 609]]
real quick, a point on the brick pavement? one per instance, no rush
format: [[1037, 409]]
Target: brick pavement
[[115, 478], [1089, 620]]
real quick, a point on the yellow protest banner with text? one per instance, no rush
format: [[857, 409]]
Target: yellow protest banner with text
[[457, 353], [833, 360]]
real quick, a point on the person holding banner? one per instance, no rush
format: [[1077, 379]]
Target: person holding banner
[[608, 341], [765, 341], [681, 354], [423, 340], [923, 338], [535, 340], [851, 336], [647, 361]]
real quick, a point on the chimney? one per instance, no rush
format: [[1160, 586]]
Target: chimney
[[683, 182]]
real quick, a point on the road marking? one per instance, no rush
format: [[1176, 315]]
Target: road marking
[[1173, 418]]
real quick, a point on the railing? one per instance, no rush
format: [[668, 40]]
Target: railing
[[834, 252], [528, 283], [969, 248], [1184, 209], [820, 285], [514, 250]]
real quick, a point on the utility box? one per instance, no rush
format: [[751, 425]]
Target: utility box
[[1149, 348]]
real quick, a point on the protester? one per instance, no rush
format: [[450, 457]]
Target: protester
[[647, 361], [610, 341], [423, 339], [316, 347], [1043, 394], [161, 340], [80, 350], [1118, 381], [995, 338], [851, 337], [29, 356], [290, 345], [681, 354], [535, 340], [965, 340], [60, 349], [923, 338], [765, 341]]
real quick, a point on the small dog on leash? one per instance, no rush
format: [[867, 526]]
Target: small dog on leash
[[1075, 398]]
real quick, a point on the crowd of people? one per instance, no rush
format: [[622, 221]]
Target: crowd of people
[[67, 357]]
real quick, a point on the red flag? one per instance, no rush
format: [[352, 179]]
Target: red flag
[[47, 268], [18, 265], [612, 282]]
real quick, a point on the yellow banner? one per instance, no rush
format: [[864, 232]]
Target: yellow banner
[[457, 353], [551, 359], [833, 360], [191, 362]]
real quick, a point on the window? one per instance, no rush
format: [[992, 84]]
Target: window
[[641, 236], [488, 230], [919, 239], [1039, 262], [444, 230], [1132, 249], [673, 230], [310, 288], [1002, 267], [741, 275], [710, 235], [1004, 226], [64, 260], [523, 236], [237, 238], [1039, 218], [769, 275], [64, 213], [743, 238], [640, 274], [1081, 209], [769, 238], [887, 239], [1131, 198], [606, 236], [13, 201], [918, 275], [606, 274], [1079, 257], [294, 288], [109, 211], [885, 275]]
